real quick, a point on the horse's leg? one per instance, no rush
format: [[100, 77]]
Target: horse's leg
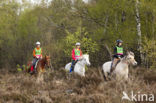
[[83, 72], [106, 76], [119, 77], [126, 77], [43, 69]]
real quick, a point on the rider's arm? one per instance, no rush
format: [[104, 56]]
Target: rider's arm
[[73, 54], [115, 51], [34, 53], [41, 52], [122, 55]]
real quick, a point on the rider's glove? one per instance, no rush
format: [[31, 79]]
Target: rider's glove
[[37, 57], [119, 57]]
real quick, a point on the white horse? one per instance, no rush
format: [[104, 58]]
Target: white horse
[[80, 65], [121, 70]]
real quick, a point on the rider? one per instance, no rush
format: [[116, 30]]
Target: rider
[[76, 55], [37, 54], [118, 54]]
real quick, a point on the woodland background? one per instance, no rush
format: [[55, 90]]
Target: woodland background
[[59, 24]]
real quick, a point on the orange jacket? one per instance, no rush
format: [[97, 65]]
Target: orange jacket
[[35, 54]]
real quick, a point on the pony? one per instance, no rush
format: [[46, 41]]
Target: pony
[[40, 65], [80, 65], [121, 71]]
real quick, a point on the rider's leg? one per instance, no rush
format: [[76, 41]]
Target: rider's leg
[[113, 65], [118, 60], [33, 64], [72, 65]]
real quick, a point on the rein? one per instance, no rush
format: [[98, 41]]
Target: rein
[[79, 62]]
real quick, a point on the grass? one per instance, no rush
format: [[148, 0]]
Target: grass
[[60, 87]]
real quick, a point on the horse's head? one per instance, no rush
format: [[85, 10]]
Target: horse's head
[[47, 59], [86, 59], [130, 58]]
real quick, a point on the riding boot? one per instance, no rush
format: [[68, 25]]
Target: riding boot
[[31, 69], [34, 70]]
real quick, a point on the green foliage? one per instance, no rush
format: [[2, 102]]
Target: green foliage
[[87, 44], [62, 23], [149, 50], [19, 69]]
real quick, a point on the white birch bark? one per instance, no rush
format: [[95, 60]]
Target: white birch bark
[[139, 30]]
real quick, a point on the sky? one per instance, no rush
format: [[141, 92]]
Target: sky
[[38, 1]]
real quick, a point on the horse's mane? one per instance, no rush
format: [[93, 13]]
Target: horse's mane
[[85, 54], [131, 53], [125, 57], [43, 60]]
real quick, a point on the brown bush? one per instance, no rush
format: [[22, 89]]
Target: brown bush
[[60, 87]]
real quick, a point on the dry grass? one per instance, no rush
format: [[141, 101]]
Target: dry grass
[[60, 87]]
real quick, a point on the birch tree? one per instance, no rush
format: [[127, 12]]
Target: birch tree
[[139, 29]]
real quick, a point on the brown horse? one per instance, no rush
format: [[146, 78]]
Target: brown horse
[[41, 64]]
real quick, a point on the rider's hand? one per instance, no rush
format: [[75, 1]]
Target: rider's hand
[[80, 58], [119, 57]]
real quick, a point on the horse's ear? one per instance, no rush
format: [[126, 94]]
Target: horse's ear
[[131, 53]]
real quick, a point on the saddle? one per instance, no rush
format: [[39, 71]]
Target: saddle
[[114, 64]]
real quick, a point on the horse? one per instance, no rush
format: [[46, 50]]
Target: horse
[[121, 71], [80, 65], [40, 65]]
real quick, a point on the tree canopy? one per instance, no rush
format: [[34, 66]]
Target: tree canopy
[[59, 24]]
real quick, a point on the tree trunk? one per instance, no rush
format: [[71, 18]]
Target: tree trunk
[[106, 46], [109, 51], [139, 30]]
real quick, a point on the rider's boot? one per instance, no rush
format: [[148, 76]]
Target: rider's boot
[[71, 69], [31, 69], [35, 70]]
